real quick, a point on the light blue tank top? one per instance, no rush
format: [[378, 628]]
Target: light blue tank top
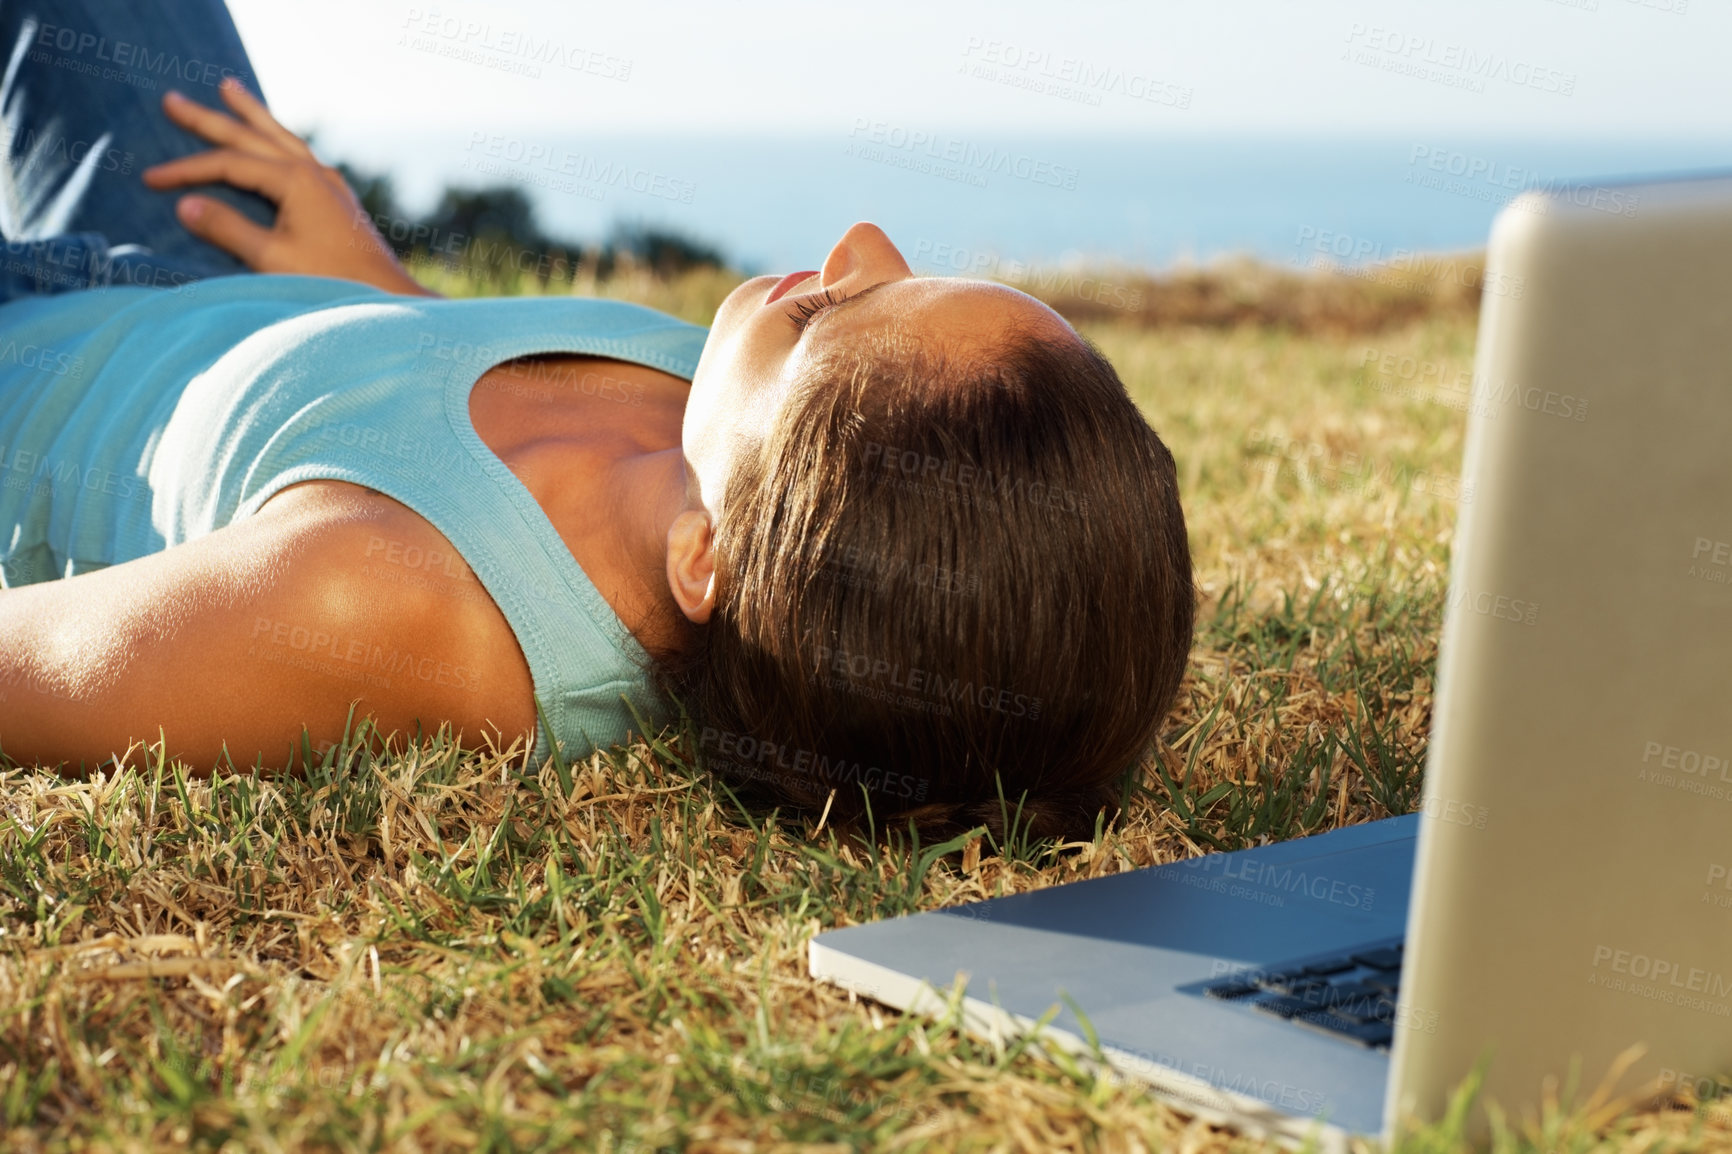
[[133, 419]]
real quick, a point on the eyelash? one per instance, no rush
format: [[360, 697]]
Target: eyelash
[[804, 311]]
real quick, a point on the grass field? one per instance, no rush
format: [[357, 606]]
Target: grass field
[[447, 949]]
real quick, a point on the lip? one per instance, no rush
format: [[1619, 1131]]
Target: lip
[[786, 283]]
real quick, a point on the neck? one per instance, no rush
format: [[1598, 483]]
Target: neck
[[646, 492]]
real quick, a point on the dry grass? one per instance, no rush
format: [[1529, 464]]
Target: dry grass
[[1238, 292], [694, 296], [442, 949]]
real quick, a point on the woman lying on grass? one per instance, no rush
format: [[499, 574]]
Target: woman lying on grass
[[892, 541]]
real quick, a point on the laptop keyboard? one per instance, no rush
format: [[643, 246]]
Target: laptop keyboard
[[1351, 995]]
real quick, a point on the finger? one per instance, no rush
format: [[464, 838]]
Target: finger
[[224, 227], [268, 178], [252, 110], [216, 127]]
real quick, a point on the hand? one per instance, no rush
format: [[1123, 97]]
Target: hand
[[321, 229]]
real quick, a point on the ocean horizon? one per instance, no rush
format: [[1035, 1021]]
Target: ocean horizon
[[977, 204]]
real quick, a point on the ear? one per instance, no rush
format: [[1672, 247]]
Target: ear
[[692, 564]]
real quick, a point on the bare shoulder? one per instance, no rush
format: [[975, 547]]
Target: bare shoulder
[[331, 594], [424, 630]]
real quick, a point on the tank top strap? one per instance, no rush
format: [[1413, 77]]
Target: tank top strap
[[581, 657]]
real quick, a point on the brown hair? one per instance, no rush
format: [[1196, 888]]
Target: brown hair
[[941, 582]]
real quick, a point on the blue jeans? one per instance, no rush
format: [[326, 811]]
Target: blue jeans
[[81, 116]]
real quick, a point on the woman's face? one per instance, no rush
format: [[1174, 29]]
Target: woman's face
[[769, 326]]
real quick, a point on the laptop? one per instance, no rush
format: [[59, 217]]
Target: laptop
[[1564, 892]]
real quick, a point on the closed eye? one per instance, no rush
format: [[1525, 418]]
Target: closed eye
[[804, 310]]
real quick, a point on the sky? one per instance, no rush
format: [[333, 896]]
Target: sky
[[1154, 131], [356, 68]]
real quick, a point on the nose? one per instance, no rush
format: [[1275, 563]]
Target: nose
[[862, 258]]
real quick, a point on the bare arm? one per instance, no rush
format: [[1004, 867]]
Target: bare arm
[[244, 636], [321, 229]]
